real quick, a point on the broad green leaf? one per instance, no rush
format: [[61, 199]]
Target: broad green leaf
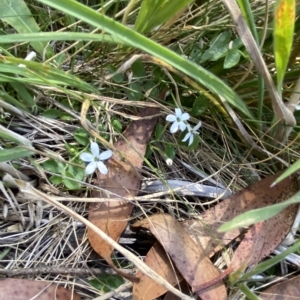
[[106, 282], [138, 69], [159, 131], [54, 179], [69, 183], [291, 170], [130, 37], [200, 105], [170, 151], [16, 14], [118, 78], [117, 125], [156, 12], [258, 215], [134, 93], [284, 20], [52, 113], [218, 47], [81, 136], [232, 58], [54, 166], [14, 153]]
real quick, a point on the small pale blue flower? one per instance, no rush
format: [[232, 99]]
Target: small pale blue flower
[[178, 120], [95, 159], [191, 132]]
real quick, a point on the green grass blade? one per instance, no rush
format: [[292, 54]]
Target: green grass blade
[[128, 36], [265, 265], [16, 14], [258, 215], [37, 73], [291, 170], [283, 36], [58, 36], [155, 13], [14, 153]]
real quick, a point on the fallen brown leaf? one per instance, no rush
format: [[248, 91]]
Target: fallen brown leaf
[[123, 179], [286, 290], [264, 237], [148, 289], [204, 230], [23, 289], [195, 267]]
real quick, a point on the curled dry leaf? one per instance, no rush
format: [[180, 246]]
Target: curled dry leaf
[[195, 267], [286, 290], [124, 180], [23, 289]]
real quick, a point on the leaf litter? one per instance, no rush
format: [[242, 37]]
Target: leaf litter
[[23, 289], [123, 180], [260, 240]]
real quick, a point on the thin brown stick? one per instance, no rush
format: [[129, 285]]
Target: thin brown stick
[[53, 271]]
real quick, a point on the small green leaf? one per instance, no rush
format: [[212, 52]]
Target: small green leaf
[[54, 166], [232, 58], [51, 113], [77, 173], [54, 179], [14, 153], [69, 183], [138, 69], [117, 125], [118, 78], [135, 92], [159, 131], [170, 151], [148, 152], [81, 136], [106, 282], [200, 106], [218, 47]]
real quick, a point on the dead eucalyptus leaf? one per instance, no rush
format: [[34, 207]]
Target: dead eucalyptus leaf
[[23, 289], [123, 179], [204, 230], [148, 289], [195, 267], [260, 194], [264, 237], [286, 290]]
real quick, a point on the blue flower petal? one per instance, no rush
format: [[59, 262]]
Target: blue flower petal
[[105, 155], [90, 168], [95, 149], [87, 157], [102, 168]]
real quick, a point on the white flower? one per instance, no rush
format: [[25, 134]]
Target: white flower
[[191, 132], [178, 120], [95, 159]]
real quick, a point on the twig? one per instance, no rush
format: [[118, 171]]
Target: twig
[[52, 270]]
